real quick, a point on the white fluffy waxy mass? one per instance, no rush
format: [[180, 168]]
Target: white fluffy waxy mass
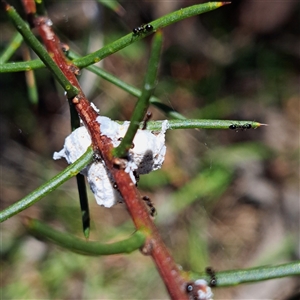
[[147, 154], [199, 290], [205, 293]]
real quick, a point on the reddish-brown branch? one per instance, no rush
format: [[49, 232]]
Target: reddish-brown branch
[[29, 7], [174, 279]]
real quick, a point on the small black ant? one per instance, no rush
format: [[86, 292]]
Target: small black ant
[[247, 126], [142, 29], [150, 205], [242, 127], [213, 279]]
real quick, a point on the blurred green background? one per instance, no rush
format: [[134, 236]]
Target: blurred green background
[[225, 199]]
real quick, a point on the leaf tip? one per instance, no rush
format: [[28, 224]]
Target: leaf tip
[[262, 124], [225, 3], [5, 5]]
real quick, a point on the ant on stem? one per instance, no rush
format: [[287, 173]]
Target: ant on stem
[[142, 29]]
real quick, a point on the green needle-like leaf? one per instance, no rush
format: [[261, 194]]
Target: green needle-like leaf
[[21, 66], [11, 48], [234, 277], [143, 102], [205, 124], [48, 187], [38, 48], [202, 124], [72, 243], [31, 87]]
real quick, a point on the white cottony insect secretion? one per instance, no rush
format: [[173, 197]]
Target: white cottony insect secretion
[[147, 154], [205, 292], [199, 290]]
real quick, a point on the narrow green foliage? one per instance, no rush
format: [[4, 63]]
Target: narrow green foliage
[[143, 102], [205, 124], [234, 277], [48, 187], [185, 13], [32, 88], [38, 48], [11, 48], [74, 244], [124, 41], [21, 66]]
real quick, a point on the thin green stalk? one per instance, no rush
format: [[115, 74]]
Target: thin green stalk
[[157, 24], [31, 87], [48, 187], [11, 48], [21, 66], [38, 48], [205, 124], [143, 102], [235, 277], [72, 243], [202, 124]]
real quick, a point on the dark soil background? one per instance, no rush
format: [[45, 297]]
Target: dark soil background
[[225, 199]]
